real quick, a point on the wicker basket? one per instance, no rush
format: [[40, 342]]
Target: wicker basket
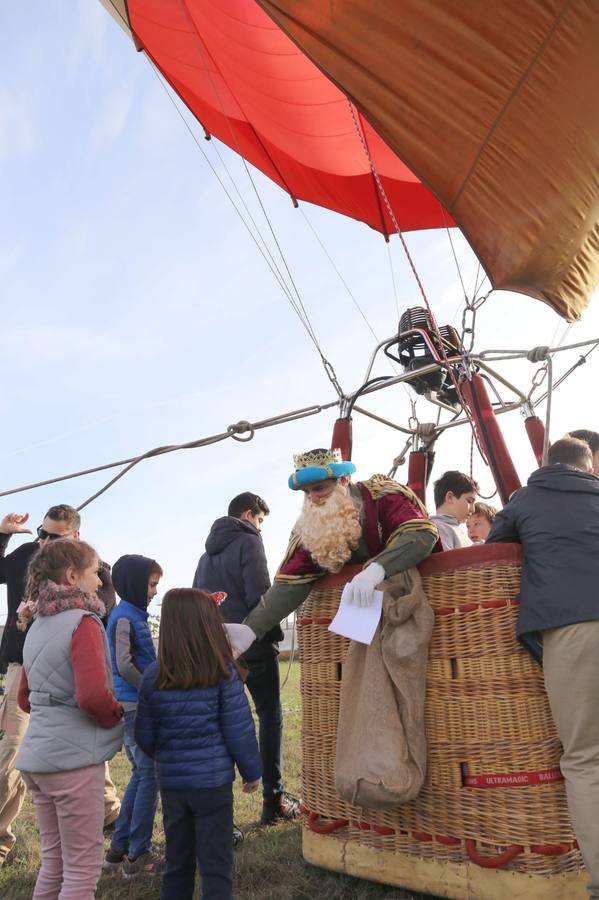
[[493, 797]]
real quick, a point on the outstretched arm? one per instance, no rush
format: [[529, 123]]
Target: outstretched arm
[[278, 603]]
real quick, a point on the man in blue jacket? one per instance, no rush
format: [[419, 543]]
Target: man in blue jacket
[[235, 562], [556, 519]]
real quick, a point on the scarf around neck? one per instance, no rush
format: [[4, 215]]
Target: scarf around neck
[[56, 598]]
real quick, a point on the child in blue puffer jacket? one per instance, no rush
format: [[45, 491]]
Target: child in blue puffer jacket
[[194, 719]]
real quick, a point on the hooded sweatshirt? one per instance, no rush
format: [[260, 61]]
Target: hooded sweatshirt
[[556, 519], [451, 533], [129, 636], [235, 562]]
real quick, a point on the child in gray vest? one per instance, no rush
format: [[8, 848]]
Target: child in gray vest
[[75, 720]]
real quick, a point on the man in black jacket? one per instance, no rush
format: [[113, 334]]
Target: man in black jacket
[[59, 522], [556, 519], [235, 562]]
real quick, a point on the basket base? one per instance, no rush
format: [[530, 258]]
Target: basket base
[[457, 881]]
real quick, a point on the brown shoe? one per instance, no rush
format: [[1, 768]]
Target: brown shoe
[[149, 863]]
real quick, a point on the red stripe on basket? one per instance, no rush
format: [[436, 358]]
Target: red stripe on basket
[[328, 826], [473, 607], [498, 860], [513, 779], [325, 826]]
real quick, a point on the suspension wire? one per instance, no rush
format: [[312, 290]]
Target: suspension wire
[[455, 256], [347, 288], [298, 305], [548, 409], [330, 372], [265, 253], [579, 362], [483, 275], [341, 278], [289, 294], [412, 265]]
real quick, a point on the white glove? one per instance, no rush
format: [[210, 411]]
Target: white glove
[[361, 587], [241, 637]]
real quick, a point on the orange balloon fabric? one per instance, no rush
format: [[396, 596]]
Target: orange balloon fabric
[[251, 87]]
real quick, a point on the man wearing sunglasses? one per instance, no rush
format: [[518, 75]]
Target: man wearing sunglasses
[[59, 522]]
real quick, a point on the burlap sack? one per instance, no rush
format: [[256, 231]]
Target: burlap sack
[[381, 743]]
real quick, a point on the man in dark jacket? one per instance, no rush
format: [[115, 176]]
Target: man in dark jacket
[[556, 519], [235, 562], [59, 522]]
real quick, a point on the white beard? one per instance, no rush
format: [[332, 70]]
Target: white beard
[[330, 530]]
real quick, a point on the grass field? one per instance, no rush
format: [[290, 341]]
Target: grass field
[[269, 866]]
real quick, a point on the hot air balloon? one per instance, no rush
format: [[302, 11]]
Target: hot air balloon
[[414, 115]]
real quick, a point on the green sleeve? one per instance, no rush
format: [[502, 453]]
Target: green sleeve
[[276, 604], [405, 551]]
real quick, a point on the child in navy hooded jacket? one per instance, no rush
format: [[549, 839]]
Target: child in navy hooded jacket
[[135, 579], [195, 720]]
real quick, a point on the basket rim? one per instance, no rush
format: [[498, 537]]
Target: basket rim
[[445, 561], [474, 557]]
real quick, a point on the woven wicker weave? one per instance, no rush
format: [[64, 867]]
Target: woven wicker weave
[[486, 714]]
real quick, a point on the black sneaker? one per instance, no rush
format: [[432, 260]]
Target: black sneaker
[[113, 860], [238, 837], [282, 808]]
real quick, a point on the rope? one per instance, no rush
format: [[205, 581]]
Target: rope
[[482, 496], [412, 265], [234, 431], [291, 653], [400, 459], [395, 297]]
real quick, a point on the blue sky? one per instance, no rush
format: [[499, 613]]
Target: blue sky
[[138, 312]]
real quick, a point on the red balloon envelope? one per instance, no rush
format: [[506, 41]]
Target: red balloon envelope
[[251, 87]]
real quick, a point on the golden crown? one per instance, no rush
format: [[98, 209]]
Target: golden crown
[[317, 458]]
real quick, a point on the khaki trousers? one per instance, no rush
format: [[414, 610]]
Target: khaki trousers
[[13, 725], [571, 667]]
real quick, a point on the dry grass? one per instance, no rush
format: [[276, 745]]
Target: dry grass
[[269, 866]]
